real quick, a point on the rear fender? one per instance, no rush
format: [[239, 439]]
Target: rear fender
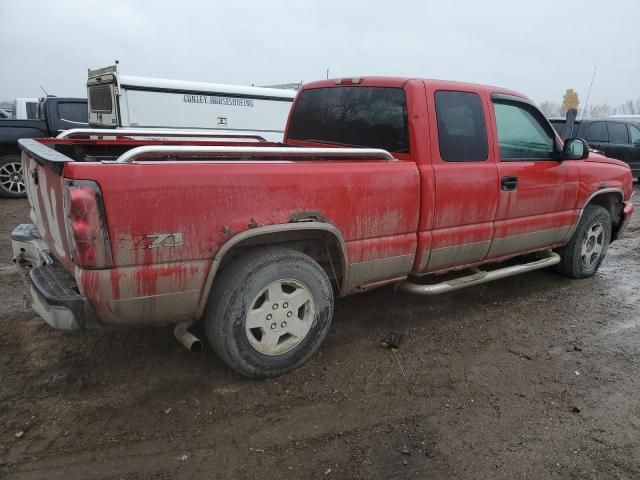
[[278, 234]]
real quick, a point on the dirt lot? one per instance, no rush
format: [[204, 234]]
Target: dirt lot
[[535, 376]]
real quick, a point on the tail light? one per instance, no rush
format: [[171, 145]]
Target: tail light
[[87, 232]]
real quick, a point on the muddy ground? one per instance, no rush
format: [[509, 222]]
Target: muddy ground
[[531, 377]]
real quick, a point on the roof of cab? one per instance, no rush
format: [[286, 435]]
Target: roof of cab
[[399, 82]]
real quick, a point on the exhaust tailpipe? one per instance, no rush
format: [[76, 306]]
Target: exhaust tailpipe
[[186, 338]]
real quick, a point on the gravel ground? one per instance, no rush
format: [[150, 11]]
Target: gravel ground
[[536, 376]]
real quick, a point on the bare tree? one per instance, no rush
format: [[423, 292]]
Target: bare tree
[[551, 109], [602, 110], [628, 108]]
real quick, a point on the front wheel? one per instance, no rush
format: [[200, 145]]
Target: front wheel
[[11, 180], [269, 311], [586, 250]]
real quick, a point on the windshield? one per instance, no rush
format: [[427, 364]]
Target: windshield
[[374, 117]]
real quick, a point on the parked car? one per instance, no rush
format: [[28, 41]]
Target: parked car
[[52, 116], [380, 181], [615, 138], [125, 101]]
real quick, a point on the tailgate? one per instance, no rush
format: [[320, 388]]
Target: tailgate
[[42, 167]]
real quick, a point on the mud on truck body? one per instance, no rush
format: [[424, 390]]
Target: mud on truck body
[[378, 181]]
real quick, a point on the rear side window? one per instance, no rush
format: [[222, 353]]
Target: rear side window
[[32, 110], [597, 132], [73, 112], [373, 117], [462, 131], [618, 132]]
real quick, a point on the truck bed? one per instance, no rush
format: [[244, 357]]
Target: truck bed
[[205, 194]]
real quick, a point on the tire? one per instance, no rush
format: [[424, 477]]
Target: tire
[[269, 311], [588, 246], [11, 180]]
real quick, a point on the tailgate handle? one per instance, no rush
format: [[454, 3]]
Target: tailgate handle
[[509, 183]]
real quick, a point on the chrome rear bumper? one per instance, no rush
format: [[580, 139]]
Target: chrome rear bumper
[[54, 292]]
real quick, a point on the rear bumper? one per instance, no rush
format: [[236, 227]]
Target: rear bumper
[[54, 292]]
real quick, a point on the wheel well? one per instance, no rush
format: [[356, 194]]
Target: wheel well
[[611, 201], [321, 245], [7, 150]]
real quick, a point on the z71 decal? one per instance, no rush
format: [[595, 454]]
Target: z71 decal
[[161, 240]]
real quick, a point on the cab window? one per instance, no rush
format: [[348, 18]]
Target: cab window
[[521, 133], [462, 131]]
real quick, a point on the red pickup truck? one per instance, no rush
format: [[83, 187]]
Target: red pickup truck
[[378, 181]]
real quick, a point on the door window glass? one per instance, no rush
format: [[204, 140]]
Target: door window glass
[[618, 133], [597, 132], [521, 134], [462, 130], [635, 134]]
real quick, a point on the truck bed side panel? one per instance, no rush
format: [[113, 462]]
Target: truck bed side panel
[[167, 220]]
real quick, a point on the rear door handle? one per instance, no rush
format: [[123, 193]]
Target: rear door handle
[[509, 183]]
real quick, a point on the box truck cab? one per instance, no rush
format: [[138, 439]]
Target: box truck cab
[[117, 101]]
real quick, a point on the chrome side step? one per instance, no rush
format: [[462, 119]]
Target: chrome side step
[[481, 276]]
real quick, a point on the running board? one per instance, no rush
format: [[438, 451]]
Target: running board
[[480, 277]]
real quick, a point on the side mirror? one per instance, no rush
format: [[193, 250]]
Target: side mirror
[[575, 149]]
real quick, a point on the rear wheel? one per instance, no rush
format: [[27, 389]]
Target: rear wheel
[[11, 180], [586, 250], [269, 311]]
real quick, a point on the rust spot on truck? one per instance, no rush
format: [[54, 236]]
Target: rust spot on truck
[[300, 215], [227, 231], [253, 223]]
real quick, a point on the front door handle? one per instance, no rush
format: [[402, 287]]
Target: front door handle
[[509, 183]]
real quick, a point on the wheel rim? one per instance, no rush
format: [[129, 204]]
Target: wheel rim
[[592, 246], [280, 317], [11, 178]]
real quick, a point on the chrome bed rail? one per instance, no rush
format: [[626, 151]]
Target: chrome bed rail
[[294, 153]]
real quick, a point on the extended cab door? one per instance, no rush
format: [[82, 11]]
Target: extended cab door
[[465, 178], [536, 191], [624, 144]]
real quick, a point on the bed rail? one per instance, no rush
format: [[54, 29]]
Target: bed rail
[[296, 153], [155, 132]]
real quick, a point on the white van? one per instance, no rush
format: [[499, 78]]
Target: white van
[[123, 101]]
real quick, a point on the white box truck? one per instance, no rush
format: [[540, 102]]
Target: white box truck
[[124, 101]]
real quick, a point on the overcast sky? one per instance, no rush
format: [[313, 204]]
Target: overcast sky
[[538, 47]]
